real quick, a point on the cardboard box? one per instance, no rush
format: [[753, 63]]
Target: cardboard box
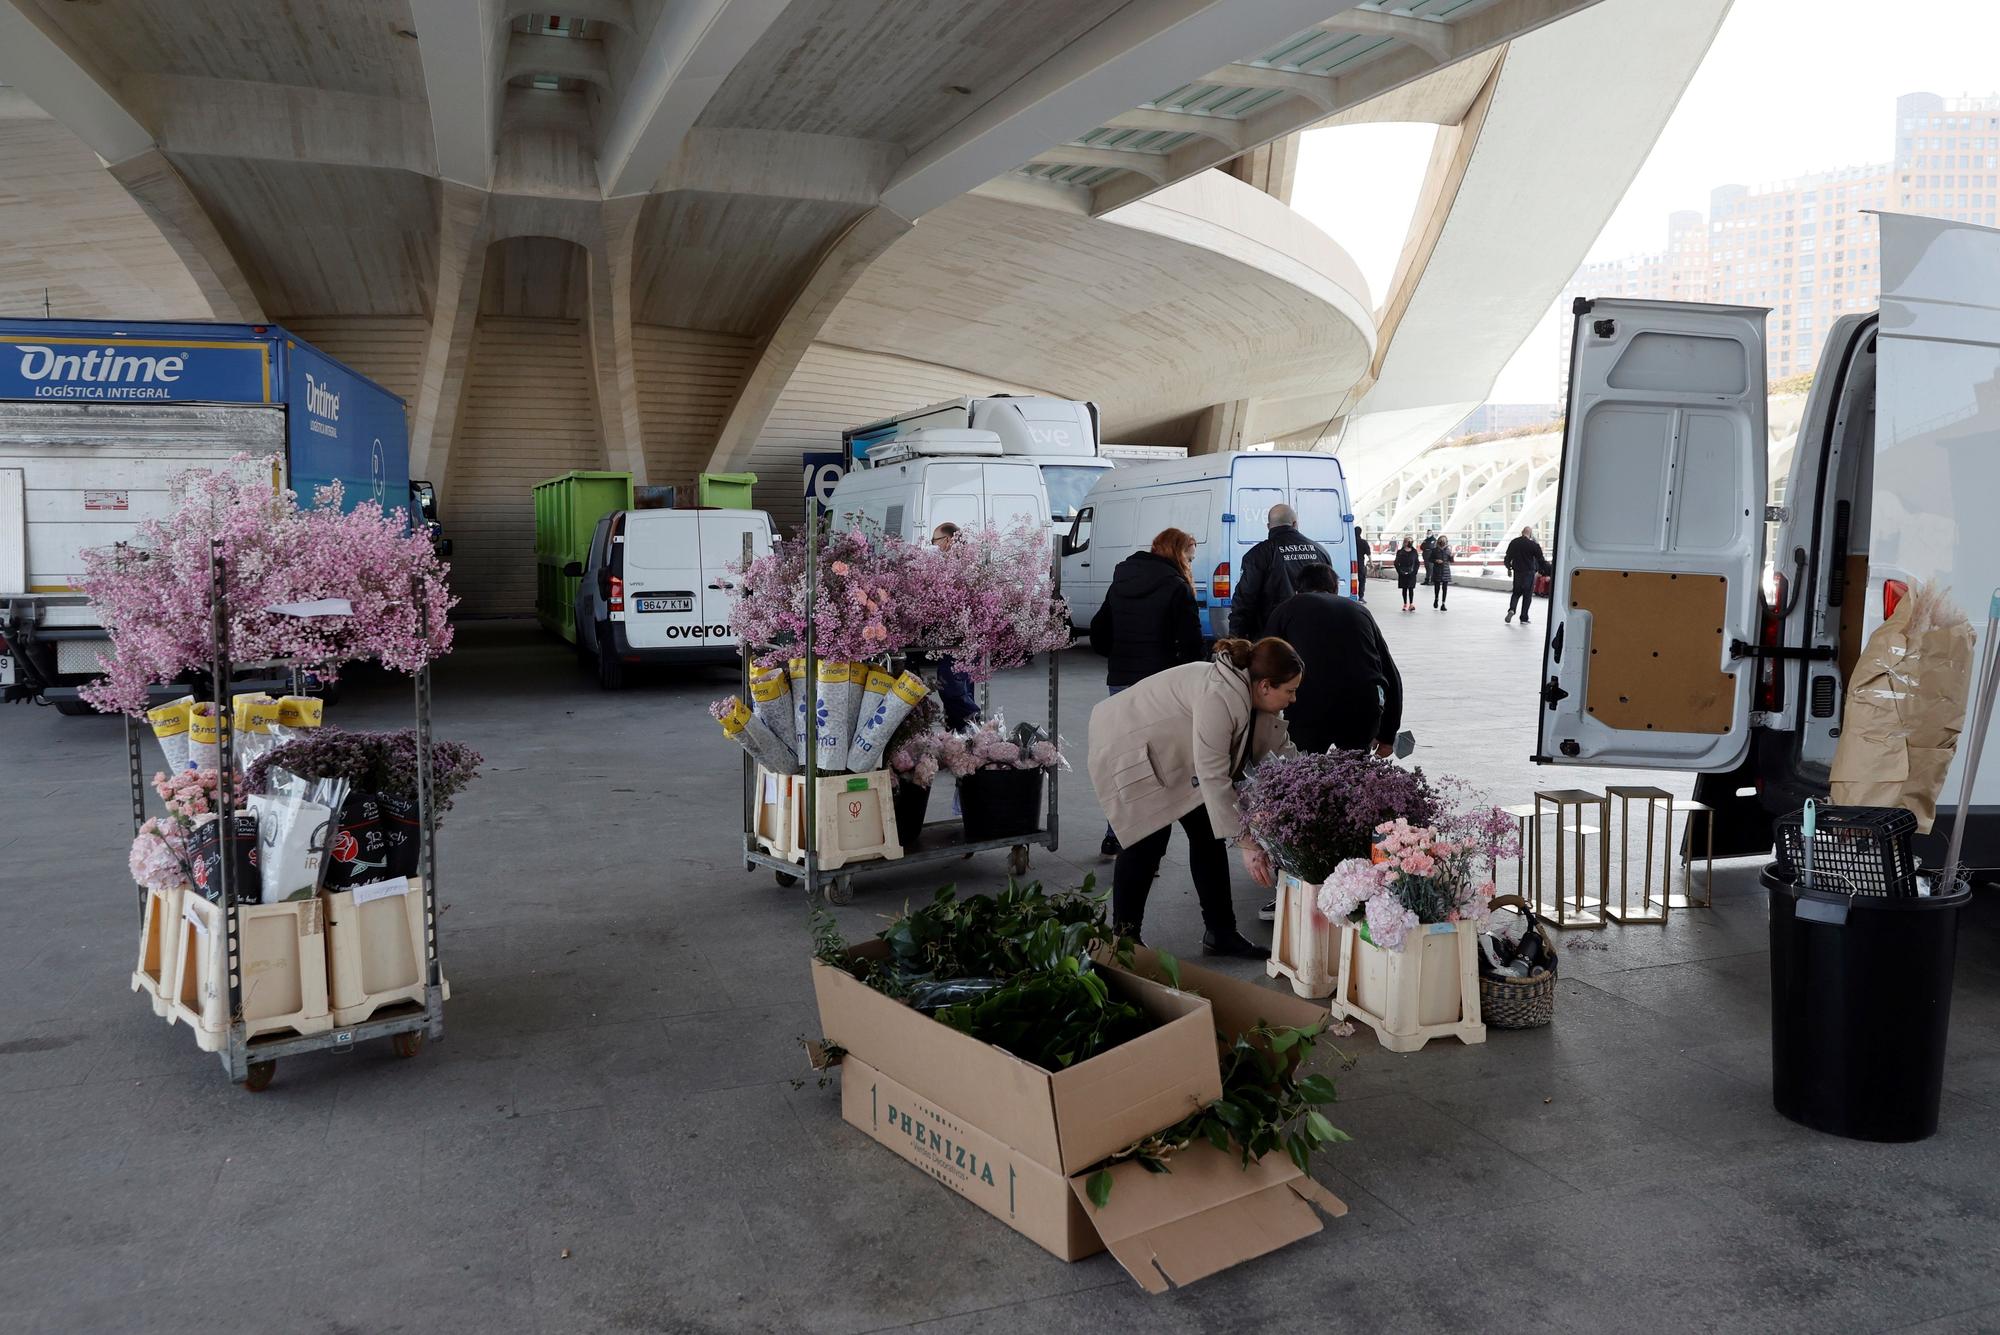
[[1019, 1142]]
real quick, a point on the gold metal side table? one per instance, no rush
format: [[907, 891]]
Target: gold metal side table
[[1569, 806], [1659, 805], [1524, 812], [1706, 814]]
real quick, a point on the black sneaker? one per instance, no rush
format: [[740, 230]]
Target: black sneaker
[[1110, 848], [1507, 618], [1269, 913], [1233, 946]]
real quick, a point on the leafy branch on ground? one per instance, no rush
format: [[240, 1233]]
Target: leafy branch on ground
[[1265, 1104]]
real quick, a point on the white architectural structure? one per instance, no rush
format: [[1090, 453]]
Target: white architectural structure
[[663, 235]]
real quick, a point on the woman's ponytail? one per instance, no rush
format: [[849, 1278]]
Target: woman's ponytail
[[1235, 652]]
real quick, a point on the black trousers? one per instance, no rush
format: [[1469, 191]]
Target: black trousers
[[1351, 730], [1138, 863], [1408, 584], [1523, 594], [1440, 590], [1361, 580]]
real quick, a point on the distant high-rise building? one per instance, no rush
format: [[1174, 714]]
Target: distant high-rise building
[[1808, 248]]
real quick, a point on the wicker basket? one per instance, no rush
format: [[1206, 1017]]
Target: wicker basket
[[1520, 1003]]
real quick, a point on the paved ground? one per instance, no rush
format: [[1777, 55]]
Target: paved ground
[[610, 1138]]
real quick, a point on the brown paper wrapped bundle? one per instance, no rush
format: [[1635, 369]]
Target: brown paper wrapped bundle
[[1905, 708]]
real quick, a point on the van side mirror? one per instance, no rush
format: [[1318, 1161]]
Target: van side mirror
[[1070, 546], [574, 569]]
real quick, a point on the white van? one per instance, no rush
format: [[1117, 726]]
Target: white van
[[1667, 651], [933, 477], [1219, 498], [655, 587]]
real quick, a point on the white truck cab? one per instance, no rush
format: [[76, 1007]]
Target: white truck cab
[[1665, 648]]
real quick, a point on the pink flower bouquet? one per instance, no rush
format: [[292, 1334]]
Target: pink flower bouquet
[[989, 746], [1423, 877]]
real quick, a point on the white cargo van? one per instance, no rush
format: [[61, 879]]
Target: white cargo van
[[656, 588], [1666, 651], [1222, 500], [938, 476], [1058, 436]]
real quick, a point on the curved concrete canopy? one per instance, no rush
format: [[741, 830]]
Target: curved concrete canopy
[[1210, 290]]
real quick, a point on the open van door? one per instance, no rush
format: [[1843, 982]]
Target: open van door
[[1659, 539]]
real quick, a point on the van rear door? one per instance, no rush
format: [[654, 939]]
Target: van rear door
[[1659, 541], [1320, 496], [722, 537], [662, 579]]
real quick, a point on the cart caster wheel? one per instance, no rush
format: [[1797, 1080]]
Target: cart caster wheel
[[785, 879], [840, 890], [408, 1044], [1017, 860], [258, 1078]]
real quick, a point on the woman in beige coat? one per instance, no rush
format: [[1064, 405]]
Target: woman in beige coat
[[1172, 748]]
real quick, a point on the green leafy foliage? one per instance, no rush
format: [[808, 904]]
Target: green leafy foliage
[[1265, 1105], [1054, 1014], [997, 936]]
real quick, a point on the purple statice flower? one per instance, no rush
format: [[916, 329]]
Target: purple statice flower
[[1312, 811]]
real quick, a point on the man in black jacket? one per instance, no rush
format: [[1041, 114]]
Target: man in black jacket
[[1270, 572], [1352, 695], [1524, 561], [1362, 551]]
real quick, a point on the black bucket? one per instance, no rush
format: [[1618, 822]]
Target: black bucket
[[1000, 803], [1860, 1008], [912, 801]]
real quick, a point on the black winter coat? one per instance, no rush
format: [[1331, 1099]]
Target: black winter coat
[[1524, 561], [1149, 621], [1408, 561], [1347, 662], [1267, 578]]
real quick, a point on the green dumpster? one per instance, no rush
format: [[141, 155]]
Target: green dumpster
[[726, 491], [567, 509]]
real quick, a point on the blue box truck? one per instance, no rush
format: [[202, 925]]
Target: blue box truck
[[97, 416]]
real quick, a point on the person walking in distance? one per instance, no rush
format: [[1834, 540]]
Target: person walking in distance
[[1441, 573], [1173, 748], [1425, 549], [1268, 571], [1362, 551], [1149, 621], [1408, 562], [1524, 561]]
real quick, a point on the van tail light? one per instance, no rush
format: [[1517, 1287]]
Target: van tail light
[[1770, 677], [1893, 592], [1353, 584], [1218, 583], [616, 596]]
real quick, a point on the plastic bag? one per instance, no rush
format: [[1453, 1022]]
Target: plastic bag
[[205, 853], [771, 701], [1905, 707], [204, 736], [294, 824], [935, 995], [170, 727], [899, 695], [375, 839], [255, 720], [836, 698], [751, 733]]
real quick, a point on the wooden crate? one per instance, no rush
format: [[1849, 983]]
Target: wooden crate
[[1305, 945], [1428, 989]]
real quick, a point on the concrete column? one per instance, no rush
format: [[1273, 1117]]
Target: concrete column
[[610, 340], [168, 201], [462, 237], [1271, 168], [1221, 427], [836, 273]]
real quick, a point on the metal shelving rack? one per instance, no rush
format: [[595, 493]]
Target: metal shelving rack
[[838, 885], [252, 1062]]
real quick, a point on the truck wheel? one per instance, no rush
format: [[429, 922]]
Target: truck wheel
[[75, 708], [610, 672]]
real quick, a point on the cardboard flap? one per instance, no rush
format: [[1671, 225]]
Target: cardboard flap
[[1128, 1092], [1208, 1214]]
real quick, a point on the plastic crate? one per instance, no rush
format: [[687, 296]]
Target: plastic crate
[[155, 972], [375, 948], [284, 970], [1855, 851]]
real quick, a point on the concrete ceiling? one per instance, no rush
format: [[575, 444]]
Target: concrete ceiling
[[1212, 290]]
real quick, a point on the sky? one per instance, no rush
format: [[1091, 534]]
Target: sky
[[1789, 87]]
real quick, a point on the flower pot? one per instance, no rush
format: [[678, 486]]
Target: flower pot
[[1000, 803], [1428, 989], [1305, 946], [911, 801]]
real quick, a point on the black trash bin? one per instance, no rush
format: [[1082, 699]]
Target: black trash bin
[[1860, 1005]]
